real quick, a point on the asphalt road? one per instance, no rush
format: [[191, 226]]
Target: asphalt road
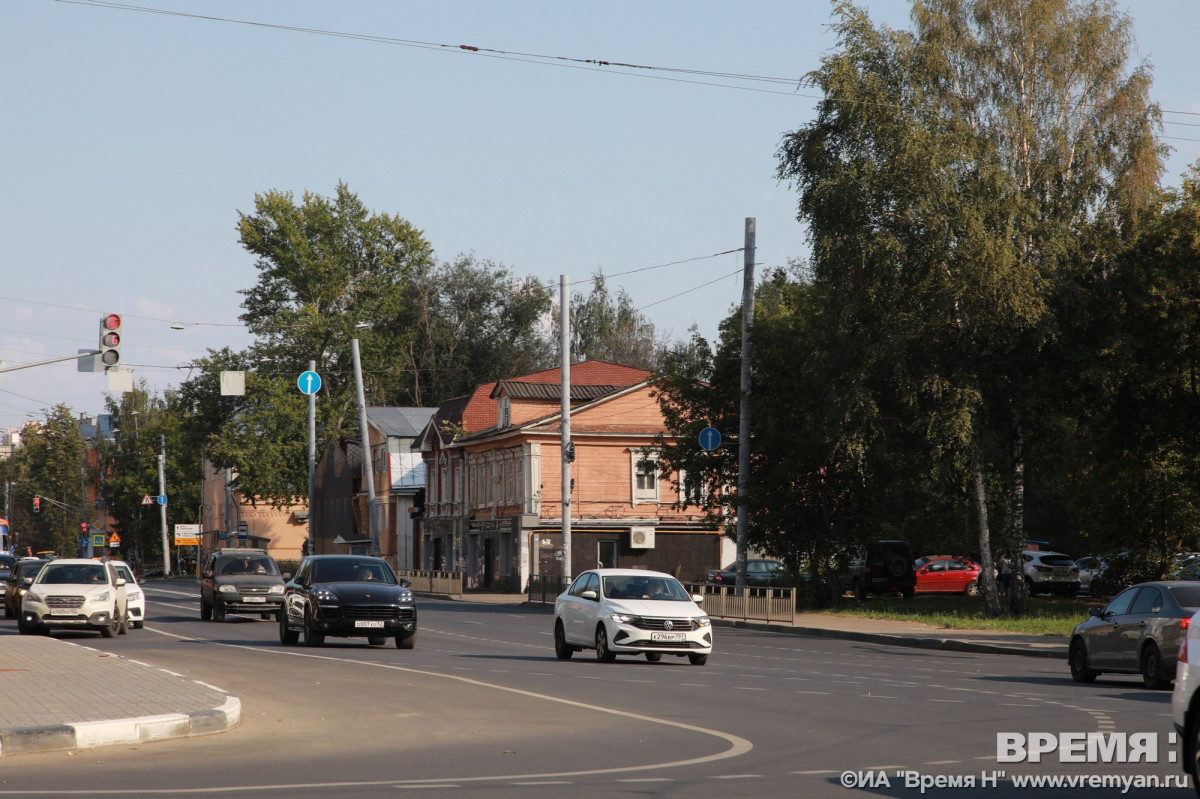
[[481, 706]]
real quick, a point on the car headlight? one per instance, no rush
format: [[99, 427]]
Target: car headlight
[[703, 621], [406, 596], [98, 597], [276, 589], [30, 596], [133, 596], [228, 589], [325, 595], [624, 618]]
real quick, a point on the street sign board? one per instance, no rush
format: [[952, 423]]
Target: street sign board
[[187, 535], [162, 499], [710, 439], [309, 382], [98, 540]]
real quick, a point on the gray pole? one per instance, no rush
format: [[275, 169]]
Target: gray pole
[[312, 459], [162, 508], [744, 422], [564, 290], [365, 432]]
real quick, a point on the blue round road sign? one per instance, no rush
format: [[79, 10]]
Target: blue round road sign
[[710, 439], [309, 382]]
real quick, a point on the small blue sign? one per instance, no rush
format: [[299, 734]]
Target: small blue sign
[[710, 439], [309, 382], [83, 542], [162, 499]]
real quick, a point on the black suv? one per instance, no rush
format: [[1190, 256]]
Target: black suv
[[348, 596], [240, 580], [882, 567]]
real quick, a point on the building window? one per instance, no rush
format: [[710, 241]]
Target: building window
[[505, 408], [644, 468]]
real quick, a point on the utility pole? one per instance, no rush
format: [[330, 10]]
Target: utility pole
[[564, 312], [312, 459], [162, 506], [744, 413], [365, 432]]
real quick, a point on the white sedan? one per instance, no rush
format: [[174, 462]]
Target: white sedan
[[135, 597], [630, 612]]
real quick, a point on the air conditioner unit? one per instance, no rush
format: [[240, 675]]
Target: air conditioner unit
[[641, 537]]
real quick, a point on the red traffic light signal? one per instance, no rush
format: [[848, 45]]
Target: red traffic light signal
[[83, 527], [110, 340], [37, 504]]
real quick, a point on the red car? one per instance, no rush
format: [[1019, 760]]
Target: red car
[[940, 574]]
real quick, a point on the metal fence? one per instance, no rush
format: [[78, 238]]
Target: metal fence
[[720, 601], [747, 604], [430, 582]]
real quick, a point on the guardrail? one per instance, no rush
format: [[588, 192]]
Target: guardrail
[[546, 589], [431, 582], [747, 604]]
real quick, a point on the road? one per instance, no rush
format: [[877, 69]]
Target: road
[[481, 706]]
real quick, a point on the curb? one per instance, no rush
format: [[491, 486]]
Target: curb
[[112, 732]]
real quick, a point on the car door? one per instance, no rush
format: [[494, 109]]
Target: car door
[[1134, 626], [579, 612], [1102, 635]]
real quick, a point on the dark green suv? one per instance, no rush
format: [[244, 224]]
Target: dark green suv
[[240, 580]]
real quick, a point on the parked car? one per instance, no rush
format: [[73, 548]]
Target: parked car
[[7, 562], [1050, 573], [881, 567], [347, 596], [759, 572], [631, 612], [134, 596], [75, 594], [240, 580], [23, 572], [947, 574], [1090, 568], [1138, 632]]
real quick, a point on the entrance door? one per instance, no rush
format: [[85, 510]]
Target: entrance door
[[489, 569], [606, 554]]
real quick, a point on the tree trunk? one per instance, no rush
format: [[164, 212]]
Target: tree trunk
[[987, 574], [1018, 595]]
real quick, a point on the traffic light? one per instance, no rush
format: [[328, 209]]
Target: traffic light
[[83, 527], [110, 340], [37, 504]]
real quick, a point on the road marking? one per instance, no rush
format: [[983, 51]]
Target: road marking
[[735, 777]]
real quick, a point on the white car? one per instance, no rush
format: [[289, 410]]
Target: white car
[[631, 612], [1185, 702], [134, 596], [1050, 573], [75, 594]]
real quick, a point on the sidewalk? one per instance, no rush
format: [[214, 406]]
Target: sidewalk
[[58, 695]]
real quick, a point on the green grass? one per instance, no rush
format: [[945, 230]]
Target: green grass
[[1047, 616]]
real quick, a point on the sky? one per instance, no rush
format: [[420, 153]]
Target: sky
[[130, 140]]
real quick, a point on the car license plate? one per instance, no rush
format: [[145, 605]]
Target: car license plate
[[369, 624], [1061, 573], [261, 599], [676, 637], [63, 612]]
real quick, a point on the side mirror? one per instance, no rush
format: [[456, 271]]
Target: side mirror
[[405, 582], [120, 582], [589, 594], [697, 598], [1097, 611]]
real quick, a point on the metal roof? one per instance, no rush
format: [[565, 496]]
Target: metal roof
[[400, 422]]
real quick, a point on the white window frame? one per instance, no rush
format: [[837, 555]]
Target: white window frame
[[643, 494]]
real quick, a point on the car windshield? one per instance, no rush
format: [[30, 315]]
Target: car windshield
[[1188, 596], [249, 565], [644, 587], [72, 574], [352, 571]]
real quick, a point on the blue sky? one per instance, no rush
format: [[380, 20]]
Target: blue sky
[[131, 140]]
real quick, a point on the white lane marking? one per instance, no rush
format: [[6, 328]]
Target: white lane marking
[[738, 746], [817, 771], [735, 776]]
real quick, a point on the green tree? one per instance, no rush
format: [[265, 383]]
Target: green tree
[[604, 328], [958, 182], [52, 467]]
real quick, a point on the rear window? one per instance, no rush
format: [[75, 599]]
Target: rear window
[[1057, 560], [1188, 596]]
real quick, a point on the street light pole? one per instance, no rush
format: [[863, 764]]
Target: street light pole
[[365, 433]]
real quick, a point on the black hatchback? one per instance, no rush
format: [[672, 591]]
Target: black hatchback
[[347, 596]]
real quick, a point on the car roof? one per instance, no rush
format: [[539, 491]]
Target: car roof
[[628, 573], [344, 557]]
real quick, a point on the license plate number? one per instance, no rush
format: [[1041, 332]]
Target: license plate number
[[676, 637], [63, 612], [1061, 572], [259, 599], [374, 625]]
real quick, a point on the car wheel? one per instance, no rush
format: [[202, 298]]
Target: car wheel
[[218, 610], [406, 640], [287, 636], [311, 636], [123, 625], [562, 650], [972, 588], [265, 616], [603, 653], [654, 657], [205, 610], [23, 628], [110, 629], [137, 625], [376, 640], [1152, 668], [697, 660], [1080, 672]]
